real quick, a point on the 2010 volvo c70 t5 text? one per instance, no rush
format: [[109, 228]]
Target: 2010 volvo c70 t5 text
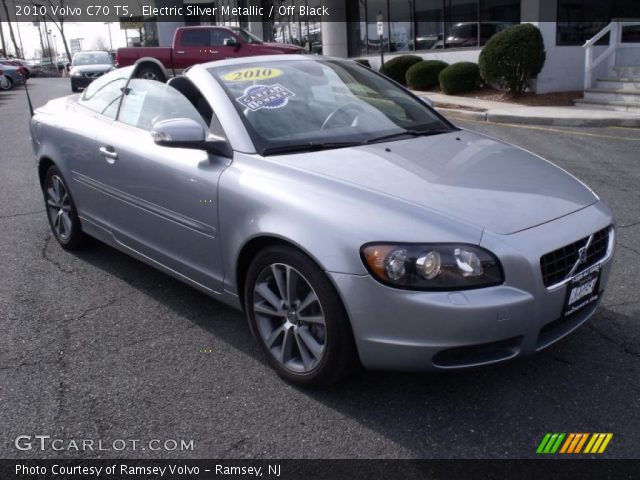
[[350, 221]]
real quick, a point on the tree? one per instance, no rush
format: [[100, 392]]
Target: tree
[[11, 34], [100, 43], [58, 20]]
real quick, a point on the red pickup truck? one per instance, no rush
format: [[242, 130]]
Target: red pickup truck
[[192, 45]]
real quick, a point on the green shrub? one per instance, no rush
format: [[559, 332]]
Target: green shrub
[[460, 77], [396, 68], [424, 75], [363, 61], [513, 57]]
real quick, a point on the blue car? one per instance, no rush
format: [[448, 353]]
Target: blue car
[[12, 74]]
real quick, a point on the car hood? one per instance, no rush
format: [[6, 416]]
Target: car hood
[[103, 67], [463, 175]]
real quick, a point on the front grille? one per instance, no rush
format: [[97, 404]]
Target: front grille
[[557, 265], [93, 74]]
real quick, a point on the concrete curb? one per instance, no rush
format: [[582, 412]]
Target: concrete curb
[[604, 121]]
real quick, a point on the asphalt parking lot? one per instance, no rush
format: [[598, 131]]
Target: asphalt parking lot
[[96, 345]]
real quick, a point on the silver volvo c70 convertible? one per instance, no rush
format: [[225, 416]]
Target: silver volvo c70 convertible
[[352, 223]]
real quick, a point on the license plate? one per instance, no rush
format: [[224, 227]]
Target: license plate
[[582, 290]]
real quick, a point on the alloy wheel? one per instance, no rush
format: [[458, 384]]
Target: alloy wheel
[[289, 318], [59, 208]]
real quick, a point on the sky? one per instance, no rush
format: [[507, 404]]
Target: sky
[[89, 31]]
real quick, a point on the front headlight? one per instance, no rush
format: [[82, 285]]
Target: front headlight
[[432, 266], [76, 73]]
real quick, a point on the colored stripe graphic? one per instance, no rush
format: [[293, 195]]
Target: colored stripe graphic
[[550, 443], [573, 443], [598, 443]]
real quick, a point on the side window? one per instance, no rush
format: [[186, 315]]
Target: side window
[[219, 35], [103, 95], [148, 102], [197, 37]]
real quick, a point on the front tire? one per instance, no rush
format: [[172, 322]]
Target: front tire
[[61, 211], [298, 318]]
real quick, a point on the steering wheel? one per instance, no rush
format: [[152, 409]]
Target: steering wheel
[[345, 114]]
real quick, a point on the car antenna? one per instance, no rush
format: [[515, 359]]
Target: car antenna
[[28, 98]]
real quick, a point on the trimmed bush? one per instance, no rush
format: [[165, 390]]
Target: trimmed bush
[[363, 61], [513, 57], [424, 75], [396, 68], [460, 77]]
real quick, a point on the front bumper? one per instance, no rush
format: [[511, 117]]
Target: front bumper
[[81, 82], [407, 330]]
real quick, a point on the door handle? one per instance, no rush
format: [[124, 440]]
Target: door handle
[[180, 51], [109, 153]]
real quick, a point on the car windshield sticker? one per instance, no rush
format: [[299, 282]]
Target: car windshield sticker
[[251, 74], [132, 107], [265, 96]]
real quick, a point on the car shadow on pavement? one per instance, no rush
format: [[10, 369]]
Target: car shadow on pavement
[[502, 411]]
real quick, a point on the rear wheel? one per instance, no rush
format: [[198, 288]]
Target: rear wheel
[[298, 318], [6, 83], [150, 72], [61, 211]]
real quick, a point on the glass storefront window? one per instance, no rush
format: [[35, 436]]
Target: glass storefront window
[[414, 25], [579, 20]]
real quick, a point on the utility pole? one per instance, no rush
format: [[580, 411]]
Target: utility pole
[[4, 46], [108, 24]]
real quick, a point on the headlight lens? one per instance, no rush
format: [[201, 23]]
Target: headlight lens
[[76, 73], [432, 266]]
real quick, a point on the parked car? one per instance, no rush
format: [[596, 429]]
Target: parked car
[[18, 62], [87, 66], [349, 220], [13, 75], [5, 84], [193, 45]]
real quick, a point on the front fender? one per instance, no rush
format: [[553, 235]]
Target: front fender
[[327, 219]]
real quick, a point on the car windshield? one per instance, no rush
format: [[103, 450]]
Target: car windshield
[[246, 36], [93, 58], [291, 105]]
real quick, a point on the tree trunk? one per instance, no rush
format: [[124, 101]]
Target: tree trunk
[[13, 37]]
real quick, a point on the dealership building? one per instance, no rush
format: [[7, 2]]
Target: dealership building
[[449, 30]]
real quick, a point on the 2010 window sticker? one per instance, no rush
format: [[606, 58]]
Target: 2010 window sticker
[[252, 74], [270, 97]]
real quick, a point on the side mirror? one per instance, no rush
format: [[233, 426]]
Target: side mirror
[[231, 42], [187, 133]]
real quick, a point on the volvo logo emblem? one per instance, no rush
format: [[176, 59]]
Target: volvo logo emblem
[[582, 254]]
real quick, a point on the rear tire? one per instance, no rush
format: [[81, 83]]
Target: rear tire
[[61, 211], [298, 318], [8, 85], [150, 72]]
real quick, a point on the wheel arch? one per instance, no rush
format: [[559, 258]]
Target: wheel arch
[[44, 163], [255, 245], [155, 63]]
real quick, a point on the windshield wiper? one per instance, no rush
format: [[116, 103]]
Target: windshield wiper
[[307, 147], [408, 132]]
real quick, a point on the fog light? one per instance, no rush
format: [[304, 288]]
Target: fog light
[[468, 263], [429, 265]]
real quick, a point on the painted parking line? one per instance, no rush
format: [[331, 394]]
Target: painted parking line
[[550, 129]]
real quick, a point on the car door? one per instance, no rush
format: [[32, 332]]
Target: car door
[[95, 111], [195, 46], [166, 198]]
